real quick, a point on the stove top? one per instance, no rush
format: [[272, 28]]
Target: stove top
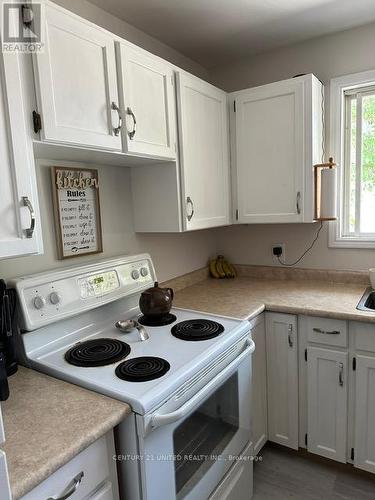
[[69, 317], [46, 349], [197, 329]]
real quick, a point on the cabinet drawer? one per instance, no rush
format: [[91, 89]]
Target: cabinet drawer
[[364, 335], [94, 462], [327, 331]]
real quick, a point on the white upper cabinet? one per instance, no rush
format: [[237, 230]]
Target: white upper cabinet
[[20, 232], [277, 138], [204, 155], [147, 101], [76, 83]]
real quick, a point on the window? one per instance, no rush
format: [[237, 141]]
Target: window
[[353, 130]]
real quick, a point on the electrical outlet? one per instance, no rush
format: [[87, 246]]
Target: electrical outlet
[[274, 250]]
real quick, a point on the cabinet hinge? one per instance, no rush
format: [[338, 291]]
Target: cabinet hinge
[[305, 354], [237, 214], [352, 454], [234, 106], [354, 364], [306, 439], [37, 122]]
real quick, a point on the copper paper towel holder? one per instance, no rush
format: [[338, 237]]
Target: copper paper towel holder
[[318, 187]]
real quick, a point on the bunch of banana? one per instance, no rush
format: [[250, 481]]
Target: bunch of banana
[[221, 268]]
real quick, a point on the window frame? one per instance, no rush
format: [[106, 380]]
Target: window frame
[[338, 120]]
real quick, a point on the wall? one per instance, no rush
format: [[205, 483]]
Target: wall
[[173, 254], [343, 53]]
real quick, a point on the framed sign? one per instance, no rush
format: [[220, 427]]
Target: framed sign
[[77, 211]]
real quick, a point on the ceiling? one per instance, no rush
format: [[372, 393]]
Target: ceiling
[[214, 32]]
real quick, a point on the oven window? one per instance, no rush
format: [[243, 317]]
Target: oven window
[[204, 435]]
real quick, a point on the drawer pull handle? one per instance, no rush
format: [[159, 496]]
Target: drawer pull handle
[[326, 332], [341, 374], [189, 201], [290, 335], [27, 203], [71, 488]]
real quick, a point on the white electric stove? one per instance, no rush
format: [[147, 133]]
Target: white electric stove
[[188, 383]]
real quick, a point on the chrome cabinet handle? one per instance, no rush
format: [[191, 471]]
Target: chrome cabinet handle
[[326, 332], [71, 488], [190, 202], [116, 130], [129, 112], [341, 374], [298, 203], [290, 335], [27, 203]]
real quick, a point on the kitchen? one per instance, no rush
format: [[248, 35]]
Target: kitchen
[[140, 142]]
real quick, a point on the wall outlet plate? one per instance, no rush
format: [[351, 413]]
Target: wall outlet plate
[[276, 258]]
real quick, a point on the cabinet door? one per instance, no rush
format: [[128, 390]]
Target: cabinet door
[[147, 103], [259, 388], [273, 149], [327, 388], [20, 232], [2, 434], [203, 127], [76, 82], [364, 457], [282, 379]]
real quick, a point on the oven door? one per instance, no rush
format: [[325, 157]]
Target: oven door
[[187, 452]]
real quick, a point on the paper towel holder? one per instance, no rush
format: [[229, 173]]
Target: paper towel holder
[[318, 188]]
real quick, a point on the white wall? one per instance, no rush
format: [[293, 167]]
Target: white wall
[[327, 57], [173, 254]]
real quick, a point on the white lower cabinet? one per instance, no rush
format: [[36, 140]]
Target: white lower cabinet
[[90, 475], [259, 388], [364, 428], [282, 379], [327, 383]]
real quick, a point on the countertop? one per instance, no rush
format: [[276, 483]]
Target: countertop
[[47, 422], [246, 297]]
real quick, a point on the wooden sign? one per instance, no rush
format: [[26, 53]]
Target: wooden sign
[[77, 211]]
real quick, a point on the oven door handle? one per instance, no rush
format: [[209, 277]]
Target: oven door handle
[[158, 419]]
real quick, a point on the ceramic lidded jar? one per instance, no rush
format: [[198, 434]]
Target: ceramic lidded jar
[[156, 302]]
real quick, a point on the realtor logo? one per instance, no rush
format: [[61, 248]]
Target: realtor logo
[[22, 27]]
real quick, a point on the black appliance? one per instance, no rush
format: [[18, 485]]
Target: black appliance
[[8, 358]]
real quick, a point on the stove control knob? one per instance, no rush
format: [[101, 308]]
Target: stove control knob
[[135, 274], [144, 271], [54, 298], [39, 302]]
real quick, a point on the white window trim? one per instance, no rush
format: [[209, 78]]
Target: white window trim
[[337, 130]]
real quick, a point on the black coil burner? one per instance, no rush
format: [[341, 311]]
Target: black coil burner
[[197, 329], [142, 369], [97, 352], [162, 321]]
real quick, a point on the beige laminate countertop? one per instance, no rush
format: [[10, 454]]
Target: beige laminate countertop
[[47, 422], [245, 298]]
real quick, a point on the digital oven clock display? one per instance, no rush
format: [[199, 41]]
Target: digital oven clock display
[[99, 284]]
